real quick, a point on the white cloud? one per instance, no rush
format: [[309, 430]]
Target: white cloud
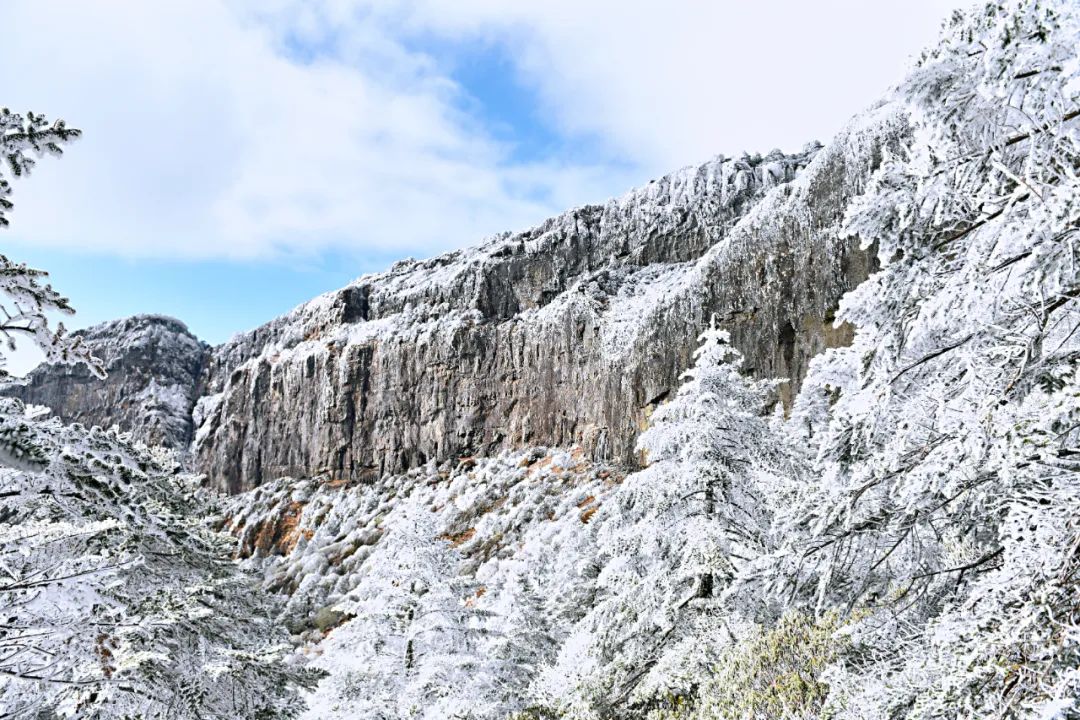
[[670, 83], [204, 137]]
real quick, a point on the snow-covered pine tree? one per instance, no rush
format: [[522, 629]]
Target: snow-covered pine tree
[[677, 535], [412, 646], [966, 343], [519, 642], [24, 301], [118, 601]]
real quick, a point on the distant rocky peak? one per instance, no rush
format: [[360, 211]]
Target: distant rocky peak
[[154, 366]]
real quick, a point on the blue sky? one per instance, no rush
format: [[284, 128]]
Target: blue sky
[[241, 157]]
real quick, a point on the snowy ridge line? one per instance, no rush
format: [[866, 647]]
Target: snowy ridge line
[[410, 288], [431, 287], [433, 358]]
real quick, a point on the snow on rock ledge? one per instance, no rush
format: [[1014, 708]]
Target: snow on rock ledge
[[565, 334]]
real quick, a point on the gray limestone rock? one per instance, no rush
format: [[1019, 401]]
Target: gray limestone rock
[[569, 333]]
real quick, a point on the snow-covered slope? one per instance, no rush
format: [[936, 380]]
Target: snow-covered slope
[[317, 541]]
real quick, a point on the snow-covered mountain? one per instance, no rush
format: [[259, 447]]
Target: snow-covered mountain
[[788, 437], [566, 334]]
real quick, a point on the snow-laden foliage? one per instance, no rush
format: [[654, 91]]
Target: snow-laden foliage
[[412, 647], [118, 601], [675, 537], [902, 544], [24, 301], [480, 568], [940, 514], [946, 461]]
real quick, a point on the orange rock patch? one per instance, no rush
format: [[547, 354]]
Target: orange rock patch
[[279, 536], [460, 538]]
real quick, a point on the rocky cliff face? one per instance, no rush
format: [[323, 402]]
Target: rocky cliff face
[[154, 367], [566, 334]]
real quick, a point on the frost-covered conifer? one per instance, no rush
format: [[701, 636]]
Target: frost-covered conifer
[[117, 600], [932, 486], [680, 537], [519, 642], [24, 301], [412, 645]]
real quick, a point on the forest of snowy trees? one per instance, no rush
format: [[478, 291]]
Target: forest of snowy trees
[[901, 542]]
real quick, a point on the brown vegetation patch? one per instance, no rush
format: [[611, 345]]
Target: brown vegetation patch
[[587, 515], [480, 592], [491, 507], [327, 620], [440, 477], [611, 479], [103, 648], [530, 459], [279, 535], [460, 538]]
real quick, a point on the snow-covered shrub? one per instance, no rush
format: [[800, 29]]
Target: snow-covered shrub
[[775, 672]]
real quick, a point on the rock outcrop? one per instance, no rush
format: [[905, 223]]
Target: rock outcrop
[[154, 365], [566, 334]]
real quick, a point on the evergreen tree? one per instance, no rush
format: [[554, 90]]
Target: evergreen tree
[[681, 538], [947, 422], [24, 301], [520, 642], [411, 648], [118, 601]]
